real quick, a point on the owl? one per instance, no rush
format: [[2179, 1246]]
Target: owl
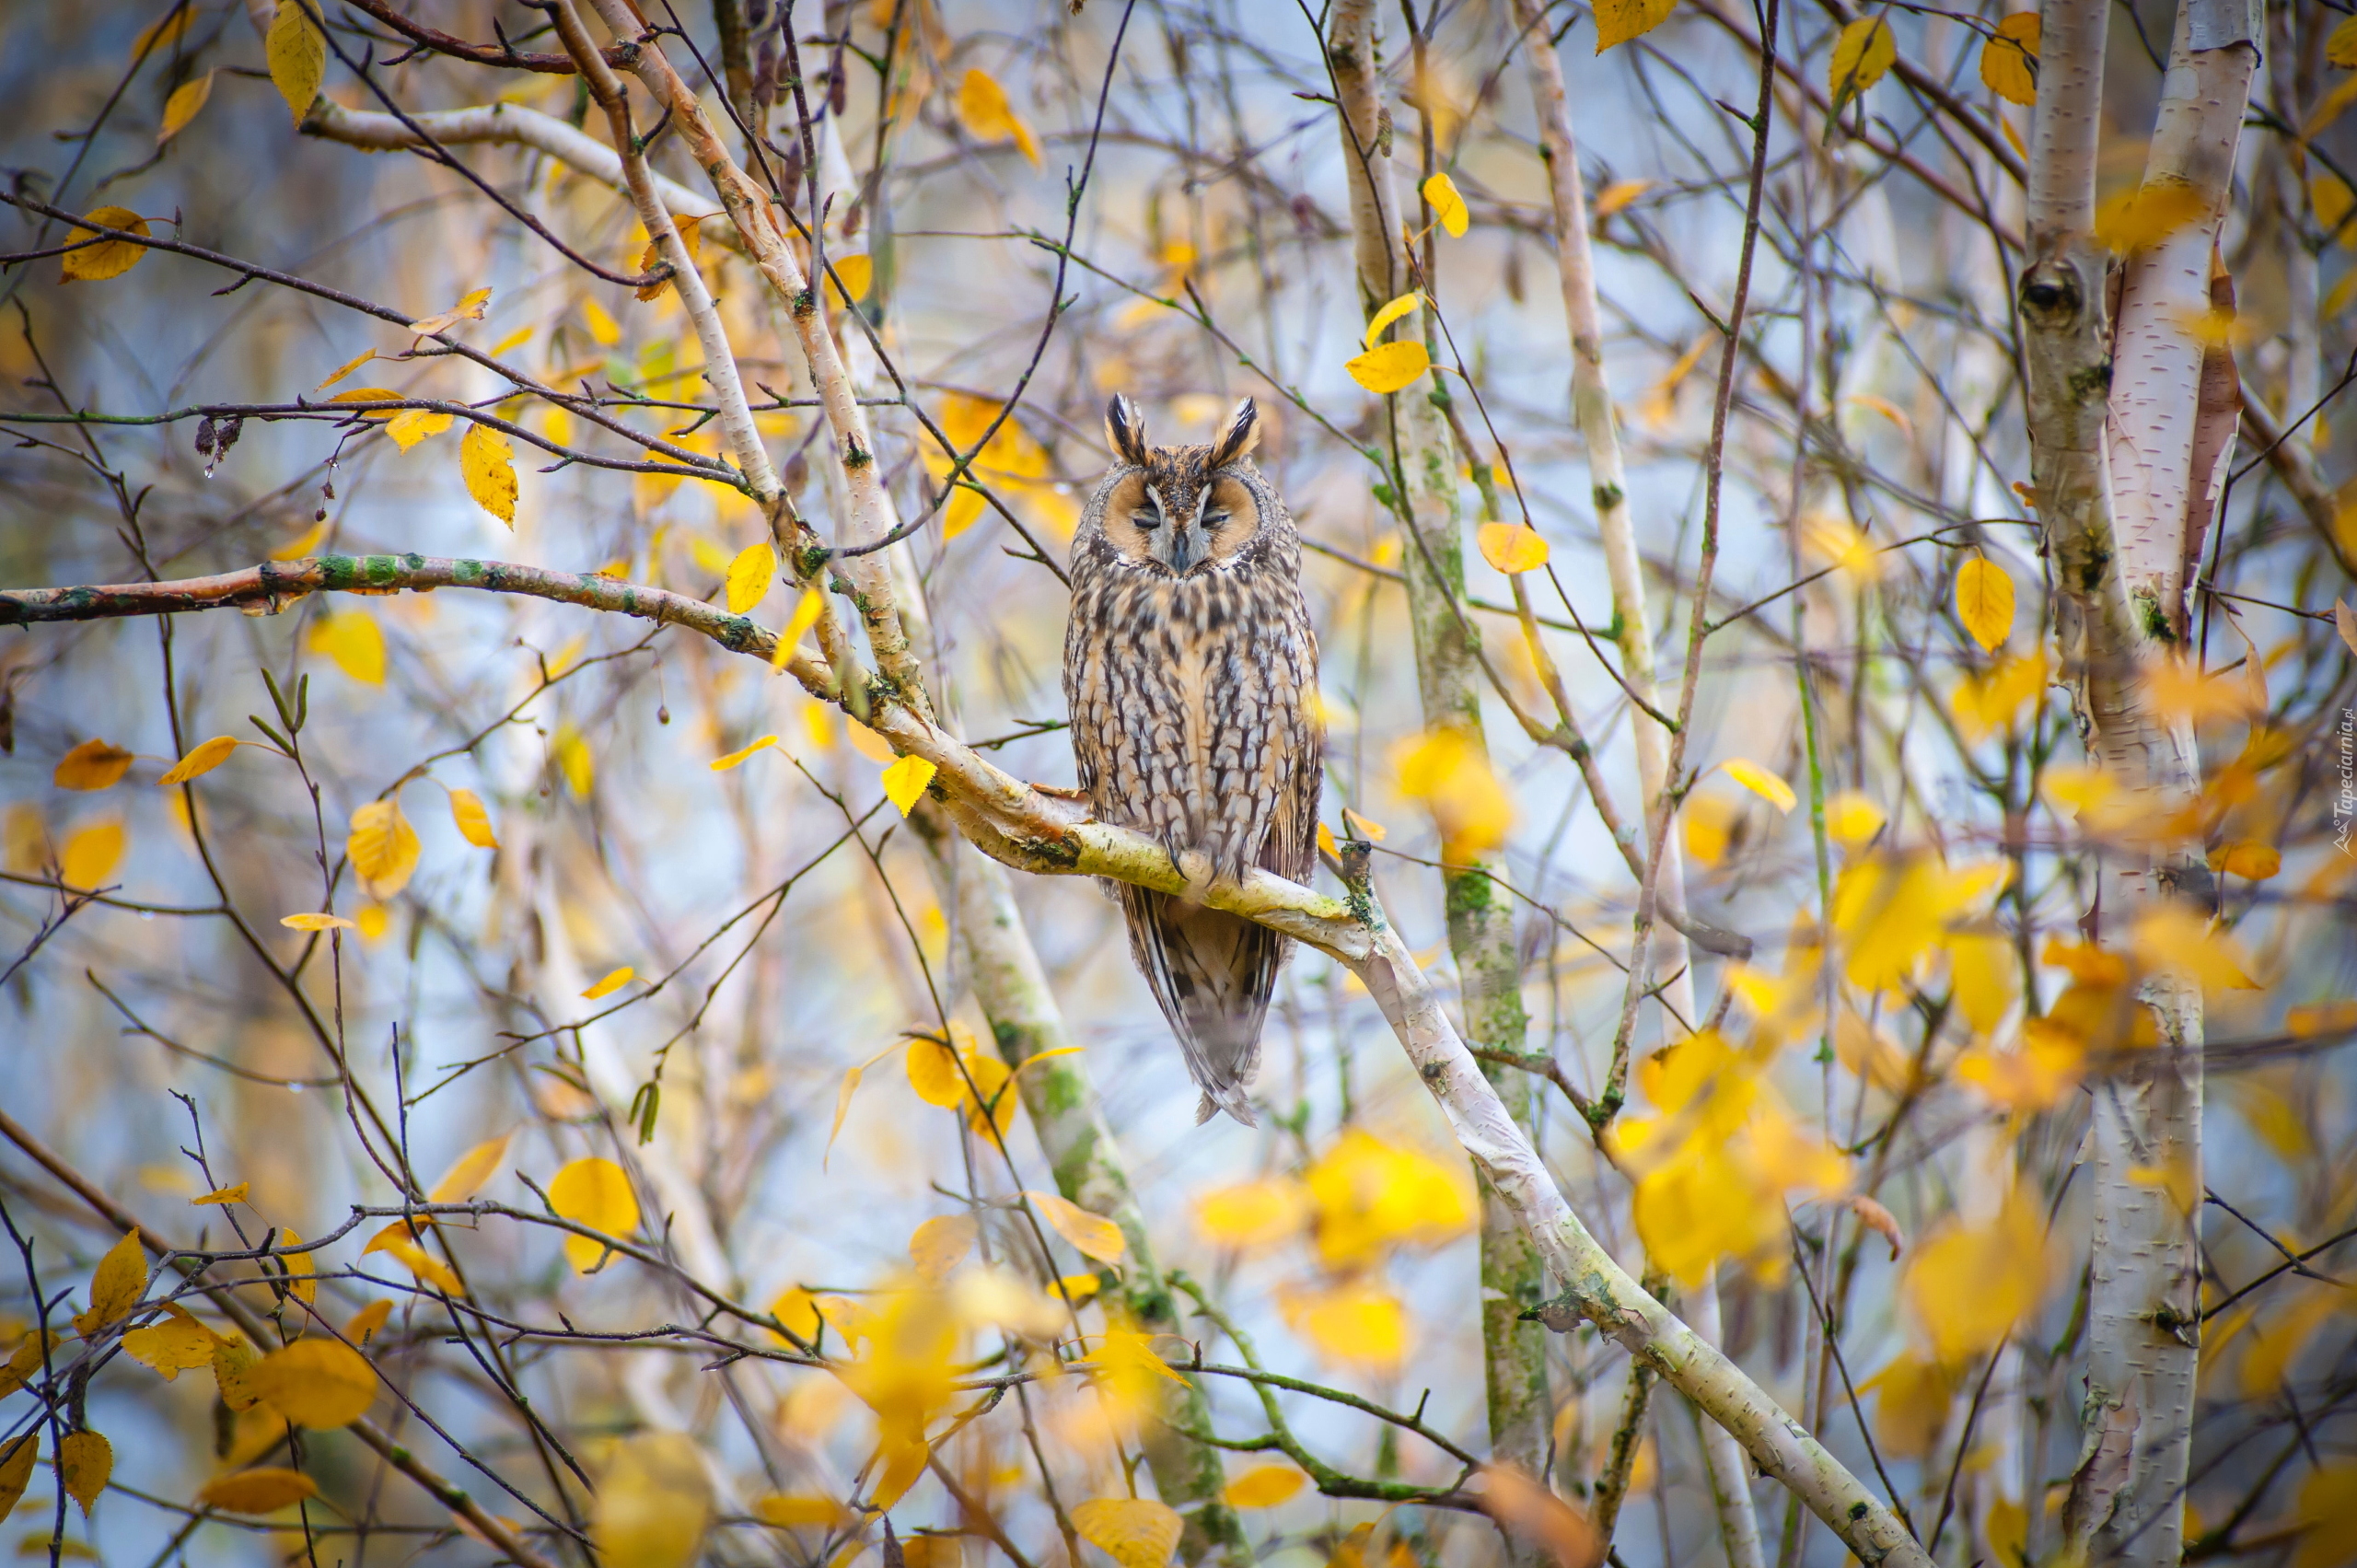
[[1191, 672]]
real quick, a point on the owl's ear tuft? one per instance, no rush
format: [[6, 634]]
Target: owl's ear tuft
[[1243, 434], [1125, 430]]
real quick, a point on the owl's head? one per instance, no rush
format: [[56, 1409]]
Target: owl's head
[[1182, 509]]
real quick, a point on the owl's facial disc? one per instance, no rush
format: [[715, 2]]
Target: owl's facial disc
[[1178, 534]]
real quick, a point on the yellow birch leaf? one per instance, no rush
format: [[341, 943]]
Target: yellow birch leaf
[[1264, 1486], [1617, 196], [1971, 1284], [722, 764], [414, 424], [315, 1382], [2251, 862], [1759, 782], [1361, 1325], [1865, 50], [691, 239], [1093, 1236], [312, 920], [264, 1490], [93, 765], [807, 610], [224, 1196], [473, 822], [653, 1502], [297, 53], [790, 1513], [2142, 217], [346, 368], [905, 781], [383, 848], [1136, 1531], [302, 544], [1387, 368], [1851, 820], [1984, 601], [2340, 45], [984, 109], [962, 511], [92, 854], [934, 1074], [2173, 937], [603, 328], [370, 395], [16, 1469], [160, 36], [486, 463], [1254, 1213], [108, 258], [1987, 975], [353, 642], [468, 309], [939, 1245], [798, 1310], [856, 276], [750, 577], [1618, 21], [306, 1290], [991, 1076], [1511, 548], [594, 1192], [1390, 313], [174, 1345], [85, 1459], [185, 104], [612, 982], [201, 758], [367, 1321], [571, 749], [116, 1286], [1447, 204], [516, 339], [1325, 839], [470, 1170], [2009, 60]]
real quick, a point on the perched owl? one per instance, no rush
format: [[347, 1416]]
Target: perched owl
[[1191, 672]]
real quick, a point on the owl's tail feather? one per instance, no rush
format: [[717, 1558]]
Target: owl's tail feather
[[1213, 973]]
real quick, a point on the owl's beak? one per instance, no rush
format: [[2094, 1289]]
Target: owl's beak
[[1188, 547]]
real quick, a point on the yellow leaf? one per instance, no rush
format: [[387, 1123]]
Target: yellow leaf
[[485, 461], [939, 1245], [348, 366], [414, 424], [311, 920], [470, 309], [2009, 60], [984, 109], [1372, 1196], [750, 577], [2328, 1498], [1987, 974], [962, 512], [2173, 937], [2251, 862], [1136, 1531], [473, 822], [1447, 204], [17, 1469], [106, 258], [1984, 601], [1264, 1486], [470, 1171], [1387, 368], [1451, 775], [571, 749], [315, 1382], [594, 1192], [807, 610], [2320, 1018], [1392, 312], [302, 544], [1325, 839], [1357, 1323], [798, 1310], [85, 1459], [1092, 1235], [991, 1076], [516, 339], [353, 642], [1864, 51], [1913, 1398], [383, 848], [653, 1502], [2142, 217], [93, 765], [225, 1196], [116, 1286], [370, 395], [367, 1321], [1851, 820], [856, 275], [186, 102], [263, 1491], [935, 1073], [1968, 1285], [905, 781], [1618, 195], [2340, 52], [603, 328], [1253, 1214], [296, 1264], [1618, 21], [691, 239], [177, 1343], [202, 760], [1761, 782], [1511, 548], [297, 53], [613, 981], [791, 1513], [722, 764], [92, 854], [161, 35]]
